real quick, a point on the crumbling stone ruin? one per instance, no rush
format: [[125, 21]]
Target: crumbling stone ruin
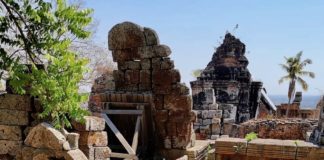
[[224, 93], [24, 137], [44, 142], [295, 110], [147, 75], [285, 129]]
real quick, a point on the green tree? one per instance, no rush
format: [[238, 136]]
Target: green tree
[[41, 32], [294, 67]]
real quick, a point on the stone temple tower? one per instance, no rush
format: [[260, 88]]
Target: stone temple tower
[[227, 81]]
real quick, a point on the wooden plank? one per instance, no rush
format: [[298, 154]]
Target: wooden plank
[[122, 155], [136, 133], [122, 104], [118, 135], [128, 112], [144, 126]]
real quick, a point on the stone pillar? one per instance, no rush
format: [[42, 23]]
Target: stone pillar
[[208, 123], [255, 97], [93, 139]]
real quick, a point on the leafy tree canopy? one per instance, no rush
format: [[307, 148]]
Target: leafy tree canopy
[[40, 32]]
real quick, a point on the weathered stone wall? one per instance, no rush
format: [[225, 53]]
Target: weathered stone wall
[[213, 120], [145, 70], [264, 111], [286, 129], [103, 83], [22, 137], [15, 117]]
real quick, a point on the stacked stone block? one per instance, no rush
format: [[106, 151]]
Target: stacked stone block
[[14, 117], [228, 117], [212, 119], [208, 115], [93, 139], [144, 67]]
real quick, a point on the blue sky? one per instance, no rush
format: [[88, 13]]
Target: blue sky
[[270, 29]]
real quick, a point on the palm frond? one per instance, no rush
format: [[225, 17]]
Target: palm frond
[[305, 62], [302, 83], [284, 78], [307, 73], [290, 60], [284, 67], [298, 56]]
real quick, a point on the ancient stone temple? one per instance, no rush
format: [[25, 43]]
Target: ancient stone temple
[[224, 93], [146, 75]]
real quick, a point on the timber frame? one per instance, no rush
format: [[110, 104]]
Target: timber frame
[[140, 126]]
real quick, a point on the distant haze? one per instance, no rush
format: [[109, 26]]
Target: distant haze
[[307, 102]]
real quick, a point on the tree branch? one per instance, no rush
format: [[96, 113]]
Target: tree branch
[[25, 40]]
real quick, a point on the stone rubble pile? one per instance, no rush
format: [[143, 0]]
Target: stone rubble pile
[[286, 129], [45, 142]]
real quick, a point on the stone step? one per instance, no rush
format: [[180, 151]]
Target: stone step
[[199, 150]]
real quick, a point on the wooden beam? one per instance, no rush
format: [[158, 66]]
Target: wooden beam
[[121, 104], [144, 127], [136, 133], [122, 155], [118, 135], [128, 112]]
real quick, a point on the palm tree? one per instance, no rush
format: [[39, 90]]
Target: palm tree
[[294, 67]]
